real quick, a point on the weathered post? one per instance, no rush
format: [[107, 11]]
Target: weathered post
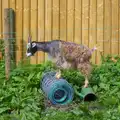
[[7, 36], [12, 37]]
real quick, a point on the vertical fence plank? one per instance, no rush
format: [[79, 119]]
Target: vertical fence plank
[[41, 27], [5, 4], [78, 23], [48, 22], [33, 28], [26, 27], [85, 22], [114, 27], [107, 27], [63, 19], [70, 20], [119, 26], [55, 22], [0, 19], [12, 4], [93, 27], [0, 25], [19, 30], [100, 29]]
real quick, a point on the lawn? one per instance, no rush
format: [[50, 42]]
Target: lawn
[[22, 99]]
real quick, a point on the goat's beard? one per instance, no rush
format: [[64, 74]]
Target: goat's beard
[[28, 54]]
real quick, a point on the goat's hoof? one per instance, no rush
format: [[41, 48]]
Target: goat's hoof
[[85, 86], [57, 76]]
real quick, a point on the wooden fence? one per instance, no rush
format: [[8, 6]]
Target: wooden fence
[[86, 22]]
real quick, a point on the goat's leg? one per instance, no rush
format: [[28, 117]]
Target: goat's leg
[[61, 63], [58, 74], [58, 65], [86, 82], [85, 69]]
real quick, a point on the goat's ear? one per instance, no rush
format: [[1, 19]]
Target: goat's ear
[[28, 45], [33, 45]]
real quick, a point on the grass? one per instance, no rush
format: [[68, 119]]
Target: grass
[[22, 99]]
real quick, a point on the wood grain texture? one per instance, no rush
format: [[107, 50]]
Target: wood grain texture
[[115, 33], [100, 28], [55, 19], [119, 27], [48, 22], [63, 20], [107, 27], [70, 20], [19, 30], [93, 27], [1, 22], [7, 42], [12, 4], [85, 22], [33, 26], [5, 4], [26, 27], [41, 27], [78, 22]]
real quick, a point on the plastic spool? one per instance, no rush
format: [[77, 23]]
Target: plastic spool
[[57, 91]]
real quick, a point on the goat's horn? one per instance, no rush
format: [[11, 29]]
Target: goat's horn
[[29, 39]]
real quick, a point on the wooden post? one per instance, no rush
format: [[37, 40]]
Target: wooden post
[[0, 55], [12, 37], [7, 41]]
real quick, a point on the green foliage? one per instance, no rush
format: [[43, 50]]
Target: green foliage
[[2, 46], [22, 99]]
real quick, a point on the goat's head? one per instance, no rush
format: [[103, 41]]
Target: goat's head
[[31, 47]]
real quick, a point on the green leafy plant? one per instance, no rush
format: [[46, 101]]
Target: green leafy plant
[[22, 99], [2, 46]]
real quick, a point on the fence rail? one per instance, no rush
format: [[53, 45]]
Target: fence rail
[[86, 22]]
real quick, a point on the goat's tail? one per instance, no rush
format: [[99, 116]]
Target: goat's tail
[[98, 48]]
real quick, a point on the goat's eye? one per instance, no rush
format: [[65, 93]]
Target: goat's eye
[[28, 46]]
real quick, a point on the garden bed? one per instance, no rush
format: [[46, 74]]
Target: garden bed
[[22, 99]]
